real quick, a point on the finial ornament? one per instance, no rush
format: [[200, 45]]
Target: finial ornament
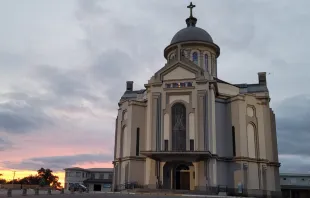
[[191, 6]]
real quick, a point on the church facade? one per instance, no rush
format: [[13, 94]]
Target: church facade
[[190, 130]]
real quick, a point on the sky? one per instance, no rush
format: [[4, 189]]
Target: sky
[[64, 65]]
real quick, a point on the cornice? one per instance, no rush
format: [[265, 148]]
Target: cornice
[[178, 89], [201, 81], [214, 87], [192, 43], [123, 159], [237, 98], [137, 103], [122, 102]]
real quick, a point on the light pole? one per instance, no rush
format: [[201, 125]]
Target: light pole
[[13, 179]]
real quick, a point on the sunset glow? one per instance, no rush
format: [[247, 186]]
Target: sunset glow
[[19, 174]]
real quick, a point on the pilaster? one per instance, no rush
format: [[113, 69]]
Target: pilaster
[[200, 138], [212, 119], [150, 178]]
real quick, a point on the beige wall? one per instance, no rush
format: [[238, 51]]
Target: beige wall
[[250, 115]]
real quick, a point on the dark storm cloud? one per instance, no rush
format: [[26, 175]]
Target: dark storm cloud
[[58, 162], [16, 116], [293, 126]]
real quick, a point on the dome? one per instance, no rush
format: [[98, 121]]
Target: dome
[[191, 33]]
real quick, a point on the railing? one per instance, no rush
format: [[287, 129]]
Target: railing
[[129, 186], [204, 190]]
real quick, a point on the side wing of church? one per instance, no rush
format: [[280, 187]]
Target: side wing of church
[[190, 130]]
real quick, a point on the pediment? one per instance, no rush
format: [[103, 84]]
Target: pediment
[[178, 71]]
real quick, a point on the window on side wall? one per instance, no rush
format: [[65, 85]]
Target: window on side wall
[[206, 62]]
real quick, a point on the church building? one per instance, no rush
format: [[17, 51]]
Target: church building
[[190, 130]]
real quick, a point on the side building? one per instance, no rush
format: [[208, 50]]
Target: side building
[[96, 179], [295, 185]]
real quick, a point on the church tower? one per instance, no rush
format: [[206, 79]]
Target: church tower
[[189, 130]]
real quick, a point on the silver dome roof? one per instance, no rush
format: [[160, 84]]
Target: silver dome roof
[[191, 33]]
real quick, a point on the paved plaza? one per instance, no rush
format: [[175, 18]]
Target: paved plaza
[[44, 194]]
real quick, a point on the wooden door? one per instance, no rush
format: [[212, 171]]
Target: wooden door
[[184, 180]]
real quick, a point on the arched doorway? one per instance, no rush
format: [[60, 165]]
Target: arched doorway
[[182, 177], [177, 175], [178, 127]]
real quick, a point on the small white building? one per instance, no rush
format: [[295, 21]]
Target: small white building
[[96, 179], [294, 185]]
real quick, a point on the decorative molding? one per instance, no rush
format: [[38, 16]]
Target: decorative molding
[[239, 97], [137, 103], [157, 84], [201, 81], [264, 167], [213, 86], [123, 159], [196, 44], [179, 93], [178, 89]]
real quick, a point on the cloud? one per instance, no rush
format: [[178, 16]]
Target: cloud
[[16, 116], [57, 163], [295, 164], [293, 126], [5, 144], [65, 75]]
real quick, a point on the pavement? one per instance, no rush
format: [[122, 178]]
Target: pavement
[[43, 194]]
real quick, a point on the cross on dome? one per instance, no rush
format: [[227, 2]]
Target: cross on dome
[[191, 6]]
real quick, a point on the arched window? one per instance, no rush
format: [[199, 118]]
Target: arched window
[[233, 140], [251, 137], [195, 57], [124, 143], [206, 62], [178, 127]]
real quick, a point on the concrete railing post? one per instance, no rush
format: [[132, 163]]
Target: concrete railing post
[[9, 193], [24, 192], [36, 191], [49, 191]]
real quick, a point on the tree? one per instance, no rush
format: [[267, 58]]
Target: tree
[[2, 181], [48, 178], [31, 180]]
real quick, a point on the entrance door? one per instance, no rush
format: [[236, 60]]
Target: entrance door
[[97, 187], [182, 177], [184, 181], [176, 175]]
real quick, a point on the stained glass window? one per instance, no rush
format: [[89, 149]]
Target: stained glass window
[[195, 57], [178, 127]]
